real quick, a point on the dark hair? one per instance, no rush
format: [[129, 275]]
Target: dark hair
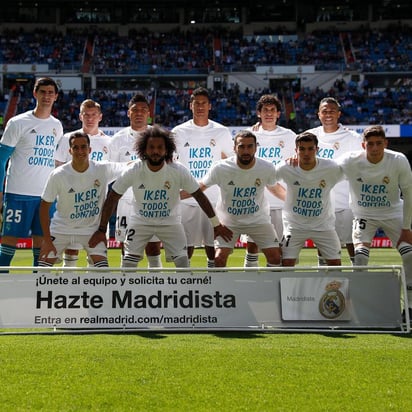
[[330, 100], [156, 131], [268, 99], [200, 91], [138, 98], [244, 133], [374, 131], [77, 135], [45, 81], [306, 137]]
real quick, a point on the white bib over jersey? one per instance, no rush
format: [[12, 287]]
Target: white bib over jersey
[[156, 194], [275, 146], [375, 188], [309, 204], [242, 199], [99, 147], [199, 147], [80, 196], [334, 146], [35, 141]]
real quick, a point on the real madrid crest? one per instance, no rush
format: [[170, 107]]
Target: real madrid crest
[[332, 302]]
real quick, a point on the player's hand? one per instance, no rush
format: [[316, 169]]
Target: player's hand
[[224, 232], [96, 238], [47, 250], [184, 195], [406, 236], [255, 127], [292, 161]]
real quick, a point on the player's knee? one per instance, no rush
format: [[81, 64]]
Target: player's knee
[[220, 261], [252, 247], [153, 249]]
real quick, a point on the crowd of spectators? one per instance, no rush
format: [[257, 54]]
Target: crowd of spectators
[[232, 107], [175, 52], [145, 52]]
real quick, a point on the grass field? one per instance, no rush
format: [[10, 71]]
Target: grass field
[[382, 256], [219, 371]]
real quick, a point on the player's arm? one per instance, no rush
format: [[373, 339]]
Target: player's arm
[[406, 234], [5, 153], [277, 190], [186, 195], [109, 207], [207, 207], [47, 242]]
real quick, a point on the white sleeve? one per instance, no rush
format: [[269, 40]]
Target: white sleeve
[[407, 208]]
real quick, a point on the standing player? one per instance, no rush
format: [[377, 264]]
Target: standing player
[[90, 115], [274, 143], [200, 143], [308, 212], [156, 182], [28, 144], [242, 205], [380, 182], [122, 149], [79, 188], [334, 141]]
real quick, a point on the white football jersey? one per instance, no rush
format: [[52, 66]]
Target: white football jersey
[[309, 203], [199, 147], [334, 146], [35, 141], [242, 199]]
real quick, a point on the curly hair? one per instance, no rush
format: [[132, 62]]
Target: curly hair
[[156, 131]]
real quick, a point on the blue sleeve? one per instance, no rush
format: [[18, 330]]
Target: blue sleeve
[[5, 153]]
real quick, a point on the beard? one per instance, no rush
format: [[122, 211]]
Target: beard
[[155, 162], [245, 160]]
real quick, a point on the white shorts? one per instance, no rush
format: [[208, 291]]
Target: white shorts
[[76, 242], [172, 236], [326, 241], [124, 210], [199, 231], [277, 222], [364, 229], [263, 235], [343, 225]]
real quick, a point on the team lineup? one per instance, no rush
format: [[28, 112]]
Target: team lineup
[[195, 185]]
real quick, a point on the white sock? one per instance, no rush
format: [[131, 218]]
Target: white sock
[[361, 256], [70, 260], [154, 261], [181, 262], [251, 260]]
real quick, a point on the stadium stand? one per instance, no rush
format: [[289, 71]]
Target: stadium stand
[[362, 53]]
